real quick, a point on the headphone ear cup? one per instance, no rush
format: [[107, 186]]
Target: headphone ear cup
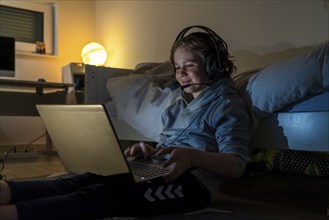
[[212, 66]]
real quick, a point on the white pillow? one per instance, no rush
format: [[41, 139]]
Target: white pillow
[[141, 98]]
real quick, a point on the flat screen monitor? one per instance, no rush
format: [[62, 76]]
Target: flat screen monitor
[[7, 56]]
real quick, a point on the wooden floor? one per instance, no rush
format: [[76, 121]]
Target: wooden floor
[[40, 166], [272, 196]]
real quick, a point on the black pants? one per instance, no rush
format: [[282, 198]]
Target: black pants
[[90, 196]]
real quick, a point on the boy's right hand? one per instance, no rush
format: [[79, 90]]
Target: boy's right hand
[[140, 149]]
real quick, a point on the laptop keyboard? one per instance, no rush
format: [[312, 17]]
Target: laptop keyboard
[[146, 171]]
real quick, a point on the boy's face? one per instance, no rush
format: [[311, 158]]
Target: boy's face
[[190, 69]]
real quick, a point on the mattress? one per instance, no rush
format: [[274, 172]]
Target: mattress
[[316, 103], [301, 126]]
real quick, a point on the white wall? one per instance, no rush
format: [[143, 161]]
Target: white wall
[[257, 32]]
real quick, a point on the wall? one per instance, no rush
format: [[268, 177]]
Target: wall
[[75, 28], [257, 32]]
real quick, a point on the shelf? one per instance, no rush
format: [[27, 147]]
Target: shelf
[[35, 55]]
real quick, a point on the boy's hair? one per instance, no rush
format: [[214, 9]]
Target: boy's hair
[[209, 50]]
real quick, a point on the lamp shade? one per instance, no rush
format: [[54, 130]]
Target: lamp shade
[[93, 53]]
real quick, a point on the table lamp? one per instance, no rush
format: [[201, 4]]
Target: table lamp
[[93, 53]]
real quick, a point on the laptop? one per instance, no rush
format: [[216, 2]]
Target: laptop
[[86, 141]]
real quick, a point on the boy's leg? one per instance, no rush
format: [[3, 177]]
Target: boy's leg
[[8, 212], [5, 194], [102, 200], [185, 194], [81, 204], [28, 190]]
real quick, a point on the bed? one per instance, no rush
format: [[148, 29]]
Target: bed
[[288, 100]]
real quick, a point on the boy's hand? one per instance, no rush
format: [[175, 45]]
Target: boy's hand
[[181, 159], [140, 149]]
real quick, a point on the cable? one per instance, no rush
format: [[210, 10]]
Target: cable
[[35, 139], [2, 161], [13, 149]]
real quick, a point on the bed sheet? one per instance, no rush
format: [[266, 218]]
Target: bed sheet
[[316, 103]]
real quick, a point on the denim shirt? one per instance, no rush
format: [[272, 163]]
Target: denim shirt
[[217, 120]]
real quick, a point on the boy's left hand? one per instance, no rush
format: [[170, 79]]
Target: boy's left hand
[[181, 157]]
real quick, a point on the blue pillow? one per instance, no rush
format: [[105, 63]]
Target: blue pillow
[[272, 88]]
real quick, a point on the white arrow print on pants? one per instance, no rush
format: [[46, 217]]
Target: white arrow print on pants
[[178, 191], [168, 192], [158, 193], [148, 196]]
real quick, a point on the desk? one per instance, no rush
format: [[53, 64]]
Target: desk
[[15, 101], [22, 103]]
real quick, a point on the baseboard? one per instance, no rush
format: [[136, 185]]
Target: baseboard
[[18, 152], [18, 155]]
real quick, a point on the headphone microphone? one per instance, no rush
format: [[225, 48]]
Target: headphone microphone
[[194, 84]]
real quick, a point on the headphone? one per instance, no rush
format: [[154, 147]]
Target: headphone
[[214, 63]]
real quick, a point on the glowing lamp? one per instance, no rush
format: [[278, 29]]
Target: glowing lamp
[[93, 53]]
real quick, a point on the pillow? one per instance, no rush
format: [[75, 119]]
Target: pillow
[[141, 98], [162, 70], [143, 67], [272, 88]]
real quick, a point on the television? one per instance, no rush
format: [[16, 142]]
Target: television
[[7, 56]]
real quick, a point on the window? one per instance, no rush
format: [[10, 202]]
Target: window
[[29, 22]]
